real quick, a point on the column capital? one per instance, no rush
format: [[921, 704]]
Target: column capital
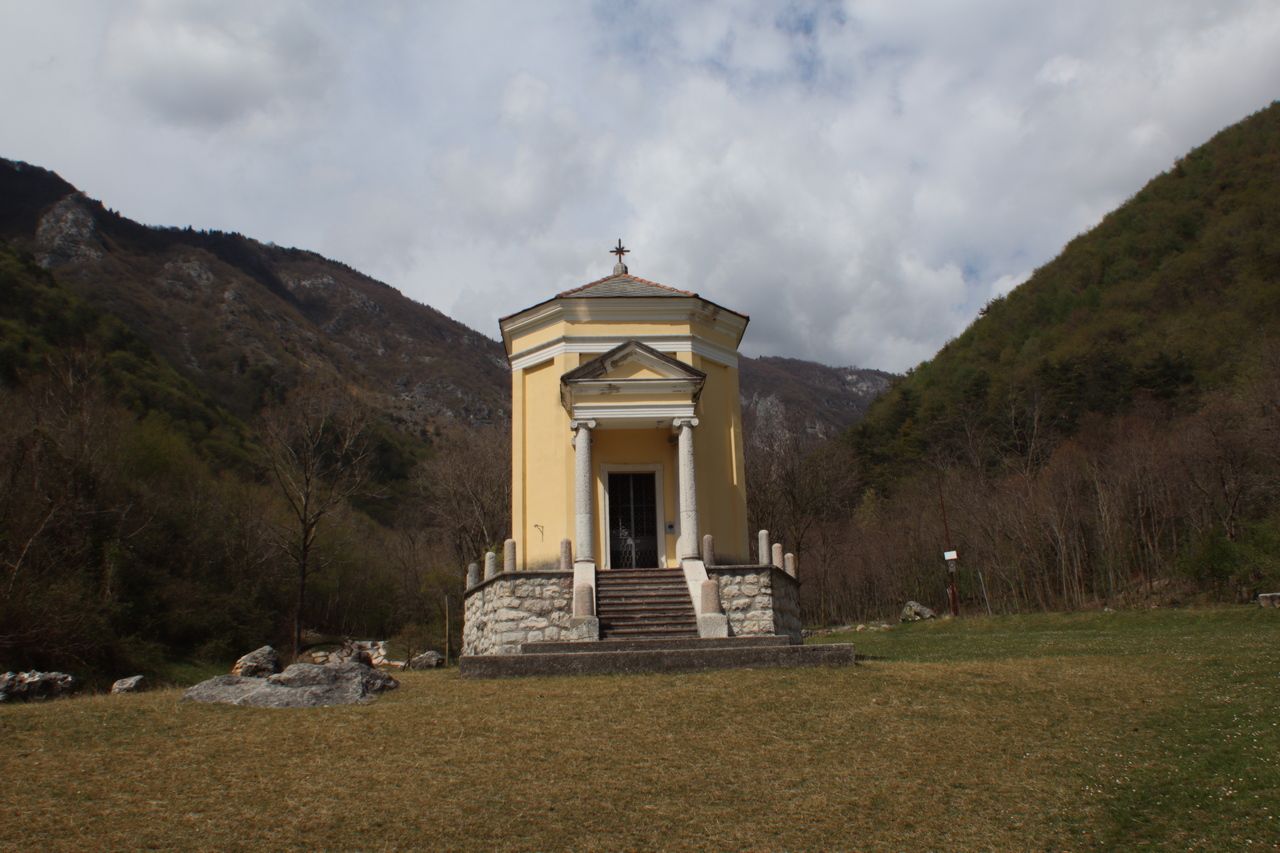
[[677, 423], [575, 424]]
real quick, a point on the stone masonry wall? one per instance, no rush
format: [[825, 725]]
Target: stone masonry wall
[[514, 608], [758, 600]]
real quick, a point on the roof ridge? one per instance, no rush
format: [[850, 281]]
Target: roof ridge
[[575, 290]]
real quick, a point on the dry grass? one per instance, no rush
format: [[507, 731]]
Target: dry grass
[[978, 751]]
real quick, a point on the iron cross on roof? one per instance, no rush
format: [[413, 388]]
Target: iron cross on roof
[[619, 250]]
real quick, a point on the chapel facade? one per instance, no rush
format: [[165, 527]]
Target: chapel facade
[[626, 425], [628, 498]]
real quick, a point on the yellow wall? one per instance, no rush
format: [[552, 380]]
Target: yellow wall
[[543, 457], [541, 494], [717, 453]]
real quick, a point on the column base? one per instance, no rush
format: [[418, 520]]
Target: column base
[[714, 625], [584, 628]]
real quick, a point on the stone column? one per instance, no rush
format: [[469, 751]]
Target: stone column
[[688, 491], [583, 497], [566, 555], [789, 564], [490, 565], [708, 550], [777, 554], [509, 555], [473, 575], [762, 552]]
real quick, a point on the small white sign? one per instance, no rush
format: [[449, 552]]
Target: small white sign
[[950, 555]]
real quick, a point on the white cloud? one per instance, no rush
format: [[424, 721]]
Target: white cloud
[[195, 63], [859, 177]]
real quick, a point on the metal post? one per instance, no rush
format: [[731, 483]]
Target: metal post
[[953, 596]]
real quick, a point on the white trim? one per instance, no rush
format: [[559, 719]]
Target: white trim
[[631, 387], [600, 344], [651, 412], [650, 309], [660, 519]]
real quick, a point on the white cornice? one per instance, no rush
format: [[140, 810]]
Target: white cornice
[[632, 387], [597, 344], [630, 412], [658, 309]]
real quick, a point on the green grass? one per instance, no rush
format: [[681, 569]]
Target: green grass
[[1106, 731]]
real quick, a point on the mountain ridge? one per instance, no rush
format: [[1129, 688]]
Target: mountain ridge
[[247, 319]]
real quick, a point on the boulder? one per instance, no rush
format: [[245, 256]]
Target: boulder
[[367, 652], [914, 611], [33, 685], [426, 660], [258, 663], [302, 685], [132, 684]]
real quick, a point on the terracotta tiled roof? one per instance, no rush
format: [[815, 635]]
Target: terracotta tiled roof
[[624, 284]]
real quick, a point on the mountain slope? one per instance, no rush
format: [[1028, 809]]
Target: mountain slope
[[806, 397], [1173, 293], [245, 320]]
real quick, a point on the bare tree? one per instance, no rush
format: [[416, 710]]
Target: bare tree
[[467, 489], [316, 445]]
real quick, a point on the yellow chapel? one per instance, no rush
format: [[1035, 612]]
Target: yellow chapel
[[626, 425], [629, 548]]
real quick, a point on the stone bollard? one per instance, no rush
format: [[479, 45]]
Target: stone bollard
[[473, 575], [584, 602], [710, 596], [712, 622], [777, 555], [490, 565], [509, 555], [763, 552], [789, 564], [566, 555], [708, 550]]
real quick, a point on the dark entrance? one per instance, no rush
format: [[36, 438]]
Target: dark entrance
[[633, 521]]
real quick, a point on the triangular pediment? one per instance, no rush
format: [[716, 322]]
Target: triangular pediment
[[634, 361]]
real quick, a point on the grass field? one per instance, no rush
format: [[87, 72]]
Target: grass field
[[1103, 730]]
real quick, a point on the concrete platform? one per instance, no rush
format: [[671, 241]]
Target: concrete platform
[[687, 659], [643, 645]]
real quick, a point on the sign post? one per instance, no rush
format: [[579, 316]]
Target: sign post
[[953, 597], [949, 555]]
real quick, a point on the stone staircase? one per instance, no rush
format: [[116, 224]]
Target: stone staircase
[[677, 654], [647, 624], [644, 604]]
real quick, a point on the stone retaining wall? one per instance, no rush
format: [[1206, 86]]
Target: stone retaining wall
[[759, 600], [514, 608]]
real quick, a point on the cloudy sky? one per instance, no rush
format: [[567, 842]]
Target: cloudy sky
[[859, 177]]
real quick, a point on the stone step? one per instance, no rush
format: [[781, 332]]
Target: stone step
[[624, 571], [605, 609], [654, 660], [644, 610], [644, 598], [654, 620], [641, 585], [661, 644], [654, 627]]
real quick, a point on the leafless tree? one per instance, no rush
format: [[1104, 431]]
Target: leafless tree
[[316, 446], [466, 488]]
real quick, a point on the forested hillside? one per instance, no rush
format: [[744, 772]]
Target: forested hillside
[[143, 524], [1173, 294], [1106, 432], [167, 389]]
